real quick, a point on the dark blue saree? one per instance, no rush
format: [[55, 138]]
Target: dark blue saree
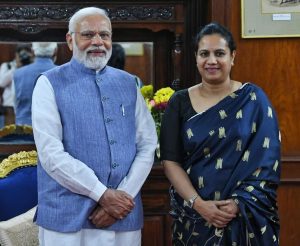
[[232, 151]]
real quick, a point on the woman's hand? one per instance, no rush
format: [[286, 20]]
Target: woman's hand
[[231, 207], [211, 212]]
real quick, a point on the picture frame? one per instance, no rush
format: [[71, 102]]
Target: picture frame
[[270, 18]]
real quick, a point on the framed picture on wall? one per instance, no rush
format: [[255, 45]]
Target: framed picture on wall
[[270, 18]]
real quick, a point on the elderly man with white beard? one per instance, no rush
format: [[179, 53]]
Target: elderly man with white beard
[[95, 140]]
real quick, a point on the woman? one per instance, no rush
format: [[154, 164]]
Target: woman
[[220, 148]]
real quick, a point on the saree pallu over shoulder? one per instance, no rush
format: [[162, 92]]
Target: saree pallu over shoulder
[[233, 152]]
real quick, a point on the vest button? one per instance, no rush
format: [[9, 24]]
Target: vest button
[[104, 98], [98, 80], [114, 165], [111, 142], [108, 120]]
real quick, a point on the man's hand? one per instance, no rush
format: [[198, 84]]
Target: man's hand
[[211, 212], [101, 219], [116, 203]]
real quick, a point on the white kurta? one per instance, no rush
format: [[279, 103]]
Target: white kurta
[[80, 178]]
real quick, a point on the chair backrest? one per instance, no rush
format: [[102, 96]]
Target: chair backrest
[[18, 184], [15, 133]]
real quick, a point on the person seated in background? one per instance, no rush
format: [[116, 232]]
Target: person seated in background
[[25, 78], [117, 60], [23, 56]]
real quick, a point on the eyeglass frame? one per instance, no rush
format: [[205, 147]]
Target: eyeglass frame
[[84, 35]]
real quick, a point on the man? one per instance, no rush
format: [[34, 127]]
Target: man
[[95, 139], [25, 77]]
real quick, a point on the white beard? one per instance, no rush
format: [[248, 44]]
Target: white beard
[[96, 63]]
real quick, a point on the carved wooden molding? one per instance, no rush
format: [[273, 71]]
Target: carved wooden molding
[[30, 29], [36, 13], [141, 13], [63, 13], [33, 19]]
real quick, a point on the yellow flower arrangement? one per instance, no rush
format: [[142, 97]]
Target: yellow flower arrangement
[[157, 102]]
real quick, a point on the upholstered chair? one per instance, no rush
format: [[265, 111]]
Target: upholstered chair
[[18, 184]]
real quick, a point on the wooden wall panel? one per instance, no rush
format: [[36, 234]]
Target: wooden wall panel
[[7, 52], [288, 203]]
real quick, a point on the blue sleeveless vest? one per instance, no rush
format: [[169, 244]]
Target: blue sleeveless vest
[[98, 117]]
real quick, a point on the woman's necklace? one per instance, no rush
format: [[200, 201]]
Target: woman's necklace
[[217, 94]]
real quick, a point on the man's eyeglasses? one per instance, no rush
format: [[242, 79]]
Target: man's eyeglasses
[[89, 35]]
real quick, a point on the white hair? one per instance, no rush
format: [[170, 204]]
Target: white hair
[[84, 12], [46, 49]]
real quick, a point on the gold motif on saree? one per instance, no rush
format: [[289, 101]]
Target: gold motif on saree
[[275, 166], [200, 182], [223, 114], [219, 163], [239, 114], [253, 129], [246, 155], [257, 172], [188, 171], [254, 198], [238, 145], [270, 112], [249, 188], [212, 132], [189, 133], [217, 195], [206, 152], [263, 229], [219, 232], [222, 133], [253, 96], [187, 225], [262, 184], [208, 225], [266, 143]]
